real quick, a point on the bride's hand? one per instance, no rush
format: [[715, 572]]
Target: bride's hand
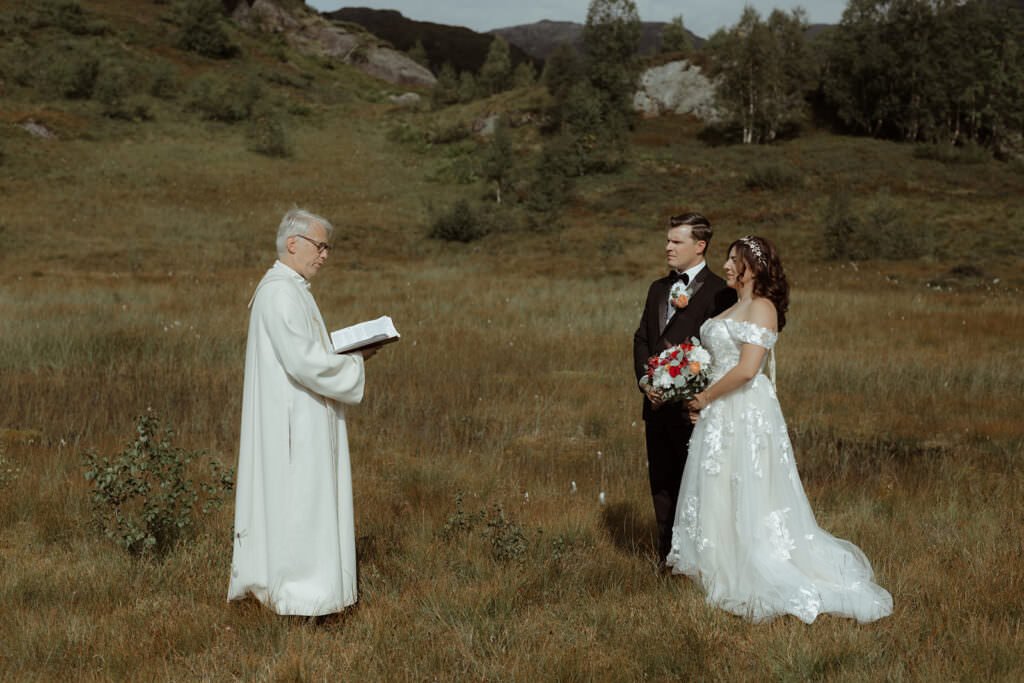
[[699, 402]]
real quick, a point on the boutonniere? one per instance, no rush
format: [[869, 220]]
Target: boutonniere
[[679, 295]]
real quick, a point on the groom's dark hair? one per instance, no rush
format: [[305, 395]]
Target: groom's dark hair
[[700, 227]]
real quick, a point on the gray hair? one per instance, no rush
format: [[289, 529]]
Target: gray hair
[[299, 222]]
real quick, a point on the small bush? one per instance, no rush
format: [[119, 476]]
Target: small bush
[[878, 228], [71, 73], [217, 99], [66, 15], [405, 134], [162, 81], [266, 135], [115, 90], [446, 135], [772, 177], [840, 226], [144, 499], [202, 29], [505, 537], [968, 153], [460, 224], [887, 225]]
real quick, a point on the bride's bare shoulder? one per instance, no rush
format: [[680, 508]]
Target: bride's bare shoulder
[[761, 311]]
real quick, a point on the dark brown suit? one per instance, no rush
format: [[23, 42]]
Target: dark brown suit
[[668, 428]]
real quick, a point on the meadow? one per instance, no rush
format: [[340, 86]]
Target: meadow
[[490, 431]]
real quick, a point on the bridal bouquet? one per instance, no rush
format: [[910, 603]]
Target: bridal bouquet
[[679, 372]]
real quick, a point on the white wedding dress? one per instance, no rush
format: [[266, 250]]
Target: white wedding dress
[[744, 529]]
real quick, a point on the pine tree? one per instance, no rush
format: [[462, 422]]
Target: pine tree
[[524, 75], [446, 89], [418, 54], [675, 38], [496, 72], [469, 89], [498, 160], [611, 37]]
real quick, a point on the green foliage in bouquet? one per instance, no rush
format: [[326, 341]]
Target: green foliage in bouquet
[[145, 499]]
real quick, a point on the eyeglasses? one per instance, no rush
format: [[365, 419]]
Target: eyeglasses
[[321, 247]]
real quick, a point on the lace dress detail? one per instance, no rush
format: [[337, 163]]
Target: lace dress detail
[[744, 529]]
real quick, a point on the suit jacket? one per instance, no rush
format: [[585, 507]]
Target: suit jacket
[[709, 296]]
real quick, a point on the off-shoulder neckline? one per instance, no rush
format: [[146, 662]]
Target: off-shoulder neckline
[[746, 322]]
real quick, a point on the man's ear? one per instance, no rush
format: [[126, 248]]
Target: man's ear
[[289, 244], [703, 247]]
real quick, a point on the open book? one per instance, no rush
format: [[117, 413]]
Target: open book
[[358, 336]]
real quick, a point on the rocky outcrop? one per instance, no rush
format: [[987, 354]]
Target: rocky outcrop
[[676, 88], [310, 33]]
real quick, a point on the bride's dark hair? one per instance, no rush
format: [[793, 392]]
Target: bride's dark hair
[[760, 255]]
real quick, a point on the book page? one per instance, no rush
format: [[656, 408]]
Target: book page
[[362, 334]]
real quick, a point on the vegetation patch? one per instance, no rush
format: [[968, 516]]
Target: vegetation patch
[[145, 499]]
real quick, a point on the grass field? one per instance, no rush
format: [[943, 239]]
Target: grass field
[[132, 249]]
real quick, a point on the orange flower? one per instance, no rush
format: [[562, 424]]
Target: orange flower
[[695, 367], [680, 301]]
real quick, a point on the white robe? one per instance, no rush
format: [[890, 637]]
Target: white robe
[[294, 536]]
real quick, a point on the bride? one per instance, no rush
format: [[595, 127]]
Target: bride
[[744, 529]]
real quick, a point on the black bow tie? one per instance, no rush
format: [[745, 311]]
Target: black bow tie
[[673, 276]]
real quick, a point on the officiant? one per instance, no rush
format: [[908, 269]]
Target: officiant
[[294, 533]]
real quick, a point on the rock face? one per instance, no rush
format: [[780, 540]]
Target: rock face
[[676, 88], [312, 34]]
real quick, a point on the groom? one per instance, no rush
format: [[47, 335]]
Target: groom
[[667, 426]]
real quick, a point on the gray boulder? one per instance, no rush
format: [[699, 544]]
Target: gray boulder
[[310, 33], [676, 88]]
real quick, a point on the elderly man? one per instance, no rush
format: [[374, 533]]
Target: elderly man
[[294, 537]]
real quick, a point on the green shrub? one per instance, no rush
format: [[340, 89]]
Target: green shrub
[[840, 226], [504, 535], [460, 224], [115, 90], [266, 135], [887, 225], [218, 99], [772, 177], [66, 15], [404, 134], [145, 499], [446, 135], [70, 72], [202, 29], [162, 81], [968, 153], [877, 228]]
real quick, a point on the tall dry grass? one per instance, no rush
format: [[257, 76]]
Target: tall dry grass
[[126, 289]]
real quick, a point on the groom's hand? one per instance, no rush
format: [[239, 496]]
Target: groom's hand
[[654, 397]]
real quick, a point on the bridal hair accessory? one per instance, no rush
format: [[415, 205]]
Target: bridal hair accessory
[[679, 294], [754, 245]]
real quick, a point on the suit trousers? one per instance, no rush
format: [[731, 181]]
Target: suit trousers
[[667, 431]]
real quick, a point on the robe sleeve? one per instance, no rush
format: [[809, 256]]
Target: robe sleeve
[[335, 376]]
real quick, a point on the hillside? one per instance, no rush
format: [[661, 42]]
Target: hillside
[[542, 38], [463, 48]]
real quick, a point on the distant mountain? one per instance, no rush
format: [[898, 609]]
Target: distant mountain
[[540, 39], [464, 48]]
